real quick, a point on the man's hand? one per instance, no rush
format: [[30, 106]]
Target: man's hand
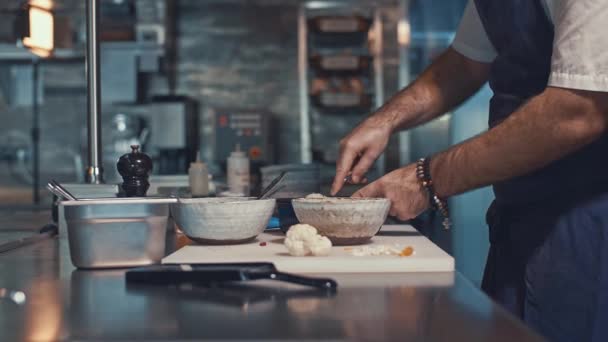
[[408, 198], [359, 150], [450, 80]]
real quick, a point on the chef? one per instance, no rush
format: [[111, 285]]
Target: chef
[[546, 155]]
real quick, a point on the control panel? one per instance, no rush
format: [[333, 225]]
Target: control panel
[[250, 129]]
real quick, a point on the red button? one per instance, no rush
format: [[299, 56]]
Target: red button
[[255, 152], [223, 120]]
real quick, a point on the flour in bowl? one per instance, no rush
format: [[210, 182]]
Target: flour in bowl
[[315, 196]]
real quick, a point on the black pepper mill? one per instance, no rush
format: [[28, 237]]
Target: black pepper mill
[[135, 168]]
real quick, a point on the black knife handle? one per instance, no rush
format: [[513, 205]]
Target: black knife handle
[[322, 283], [50, 228]]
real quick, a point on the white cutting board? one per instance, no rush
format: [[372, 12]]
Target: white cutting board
[[427, 256]]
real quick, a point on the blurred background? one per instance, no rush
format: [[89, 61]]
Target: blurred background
[[182, 76]]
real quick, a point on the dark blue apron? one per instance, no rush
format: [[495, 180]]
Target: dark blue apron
[[548, 259]]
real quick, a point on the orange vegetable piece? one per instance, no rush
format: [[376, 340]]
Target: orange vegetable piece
[[407, 251]]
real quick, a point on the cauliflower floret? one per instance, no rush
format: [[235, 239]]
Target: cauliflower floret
[[321, 246], [302, 232], [303, 239], [296, 247]]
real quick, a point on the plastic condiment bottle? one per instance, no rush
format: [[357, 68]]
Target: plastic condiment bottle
[[198, 177], [238, 172]]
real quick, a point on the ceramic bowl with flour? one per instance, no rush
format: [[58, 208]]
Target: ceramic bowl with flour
[[222, 220], [345, 221]]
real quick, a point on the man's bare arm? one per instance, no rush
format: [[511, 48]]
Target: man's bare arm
[[450, 80], [548, 127]]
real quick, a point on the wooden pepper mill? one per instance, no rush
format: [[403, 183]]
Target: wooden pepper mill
[[135, 169]]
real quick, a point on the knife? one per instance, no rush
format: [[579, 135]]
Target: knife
[[219, 273], [48, 231]]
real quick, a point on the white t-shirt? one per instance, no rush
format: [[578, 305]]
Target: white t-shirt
[[580, 47]]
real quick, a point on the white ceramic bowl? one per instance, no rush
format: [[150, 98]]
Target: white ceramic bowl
[[222, 220], [345, 221]]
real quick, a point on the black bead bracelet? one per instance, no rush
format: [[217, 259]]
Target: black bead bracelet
[[423, 172]]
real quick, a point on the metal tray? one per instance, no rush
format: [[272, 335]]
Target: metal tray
[[116, 233]]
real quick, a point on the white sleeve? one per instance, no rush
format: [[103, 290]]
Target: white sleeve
[[471, 39], [580, 48]]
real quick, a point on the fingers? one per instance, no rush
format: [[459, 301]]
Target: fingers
[[349, 180], [350, 177], [362, 166], [372, 190], [399, 208], [400, 213], [343, 167]]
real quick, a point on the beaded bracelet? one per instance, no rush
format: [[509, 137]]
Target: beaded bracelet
[[423, 172]]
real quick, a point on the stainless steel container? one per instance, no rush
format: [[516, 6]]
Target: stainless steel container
[[116, 232]]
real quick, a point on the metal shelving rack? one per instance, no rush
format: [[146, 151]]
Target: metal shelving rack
[[14, 55], [376, 80]]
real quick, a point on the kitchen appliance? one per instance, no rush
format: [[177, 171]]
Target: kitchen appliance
[[253, 131], [427, 256], [122, 132], [204, 274], [247, 128], [173, 131]]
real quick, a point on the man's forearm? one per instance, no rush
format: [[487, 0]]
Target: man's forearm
[[549, 127], [447, 82], [450, 80]]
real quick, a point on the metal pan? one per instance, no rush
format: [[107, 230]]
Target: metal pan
[[116, 232]]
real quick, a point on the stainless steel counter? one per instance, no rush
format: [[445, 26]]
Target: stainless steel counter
[[68, 304]]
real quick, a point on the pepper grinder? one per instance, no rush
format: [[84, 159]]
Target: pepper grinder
[[135, 168]]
